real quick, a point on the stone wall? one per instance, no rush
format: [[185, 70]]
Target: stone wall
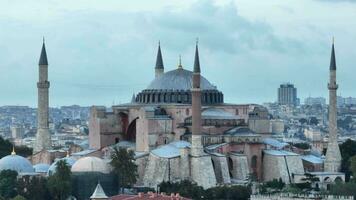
[[276, 166], [221, 169], [240, 169], [202, 171]]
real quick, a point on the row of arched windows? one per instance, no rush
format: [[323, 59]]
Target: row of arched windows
[[209, 97]]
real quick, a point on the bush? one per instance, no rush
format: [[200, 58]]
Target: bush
[[192, 190]]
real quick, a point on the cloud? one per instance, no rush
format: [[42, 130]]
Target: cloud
[[99, 54]]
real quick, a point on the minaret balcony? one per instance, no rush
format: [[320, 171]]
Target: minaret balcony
[[44, 84], [333, 86]]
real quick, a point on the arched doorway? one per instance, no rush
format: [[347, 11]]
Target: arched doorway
[[131, 131]]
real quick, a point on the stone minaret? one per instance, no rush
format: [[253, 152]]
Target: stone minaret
[[333, 156], [159, 69], [43, 137], [201, 167], [197, 148]]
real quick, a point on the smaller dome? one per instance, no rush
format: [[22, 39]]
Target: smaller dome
[[52, 169], [41, 167], [16, 163], [91, 164]]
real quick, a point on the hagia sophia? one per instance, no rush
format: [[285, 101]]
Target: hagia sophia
[[180, 128]]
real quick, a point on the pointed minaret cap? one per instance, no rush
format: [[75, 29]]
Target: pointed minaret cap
[[332, 59], [180, 62], [43, 59], [13, 151], [159, 60], [99, 193], [133, 100], [196, 59]]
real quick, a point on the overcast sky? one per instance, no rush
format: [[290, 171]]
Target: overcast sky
[[101, 52]]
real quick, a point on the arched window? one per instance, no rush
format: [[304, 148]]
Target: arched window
[[254, 161]]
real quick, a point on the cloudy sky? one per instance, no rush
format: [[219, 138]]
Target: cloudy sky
[[101, 52]]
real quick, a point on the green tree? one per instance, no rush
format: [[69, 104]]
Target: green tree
[[184, 188], [124, 167], [310, 179], [343, 189], [6, 148], [59, 184], [8, 183], [347, 149], [19, 197], [353, 166], [33, 188]]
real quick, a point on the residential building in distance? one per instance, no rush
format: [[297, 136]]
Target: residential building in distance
[[315, 101], [287, 95]]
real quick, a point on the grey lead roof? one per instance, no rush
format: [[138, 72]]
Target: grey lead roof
[[196, 60], [332, 60], [178, 79], [43, 58], [159, 60]]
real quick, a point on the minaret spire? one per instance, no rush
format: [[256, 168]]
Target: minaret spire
[[333, 157], [196, 59], [159, 69], [43, 58], [43, 137], [332, 59]]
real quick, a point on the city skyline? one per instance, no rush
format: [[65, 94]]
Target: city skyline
[[248, 56]]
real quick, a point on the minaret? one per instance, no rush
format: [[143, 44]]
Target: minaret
[[197, 148], [159, 69], [201, 167], [333, 156], [43, 137]]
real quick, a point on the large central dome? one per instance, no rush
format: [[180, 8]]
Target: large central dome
[[175, 87], [179, 79]]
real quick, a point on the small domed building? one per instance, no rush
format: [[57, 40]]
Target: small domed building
[[17, 163], [69, 160], [91, 164], [87, 171]]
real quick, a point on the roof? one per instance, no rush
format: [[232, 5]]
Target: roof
[[240, 131], [159, 60], [279, 153], [215, 113], [153, 196], [16, 163], [83, 153], [43, 58], [69, 160], [178, 79], [332, 59], [313, 159], [91, 164], [275, 143], [196, 60], [170, 150], [41, 167], [98, 193]]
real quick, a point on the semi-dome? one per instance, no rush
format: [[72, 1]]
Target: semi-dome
[[16, 163], [178, 79], [91, 164], [69, 160], [175, 87]]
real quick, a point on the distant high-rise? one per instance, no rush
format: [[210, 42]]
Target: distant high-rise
[[43, 137], [287, 94], [333, 157]]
